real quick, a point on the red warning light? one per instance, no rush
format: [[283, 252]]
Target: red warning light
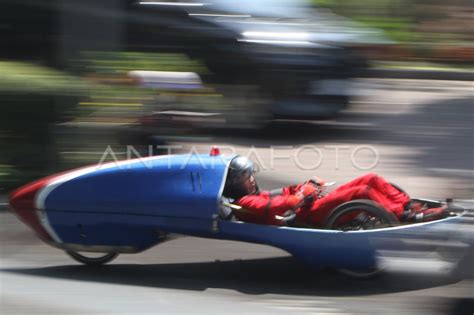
[[215, 151]]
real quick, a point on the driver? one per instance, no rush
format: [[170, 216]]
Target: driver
[[309, 204]]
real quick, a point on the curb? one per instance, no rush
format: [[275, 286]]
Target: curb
[[420, 74]]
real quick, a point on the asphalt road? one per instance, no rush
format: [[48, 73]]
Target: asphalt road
[[422, 133]]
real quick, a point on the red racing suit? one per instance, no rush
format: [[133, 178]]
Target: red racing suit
[[262, 207]]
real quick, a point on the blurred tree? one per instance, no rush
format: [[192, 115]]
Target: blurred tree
[[32, 99], [424, 29]]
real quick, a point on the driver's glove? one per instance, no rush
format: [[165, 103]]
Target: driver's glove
[[307, 194]]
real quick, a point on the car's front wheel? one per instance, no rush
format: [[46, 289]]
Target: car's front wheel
[[92, 259], [361, 273]]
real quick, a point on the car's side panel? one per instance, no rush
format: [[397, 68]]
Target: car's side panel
[[122, 232], [315, 247], [124, 204], [358, 249]]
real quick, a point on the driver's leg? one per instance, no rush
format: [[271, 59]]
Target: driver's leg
[[361, 180], [379, 184], [321, 208]]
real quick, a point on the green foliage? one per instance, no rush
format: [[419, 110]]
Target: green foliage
[[27, 78], [397, 29], [32, 99], [394, 17], [122, 62]]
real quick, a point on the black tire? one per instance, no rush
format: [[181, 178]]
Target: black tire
[[373, 212], [92, 261], [360, 273]]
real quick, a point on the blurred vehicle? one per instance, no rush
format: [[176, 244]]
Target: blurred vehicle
[[130, 206], [269, 59]]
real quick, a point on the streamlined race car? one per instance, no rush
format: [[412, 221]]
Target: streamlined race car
[[130, 206]]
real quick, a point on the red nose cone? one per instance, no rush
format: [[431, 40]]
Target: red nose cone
[[215, 151], [22, 204]]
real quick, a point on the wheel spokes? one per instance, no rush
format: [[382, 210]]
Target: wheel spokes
[[363, 221]]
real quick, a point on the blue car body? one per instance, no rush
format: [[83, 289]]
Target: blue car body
[[130, 206]]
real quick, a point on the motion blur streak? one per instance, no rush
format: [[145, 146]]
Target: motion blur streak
[[270, 77]]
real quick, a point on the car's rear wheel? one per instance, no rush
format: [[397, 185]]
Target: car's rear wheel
[[360, 215], [92, 259]]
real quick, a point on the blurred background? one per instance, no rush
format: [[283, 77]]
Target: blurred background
[[273, 76], [79, 76]]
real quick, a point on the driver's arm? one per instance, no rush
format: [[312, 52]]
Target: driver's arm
[[263, 208], [291, 189]]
